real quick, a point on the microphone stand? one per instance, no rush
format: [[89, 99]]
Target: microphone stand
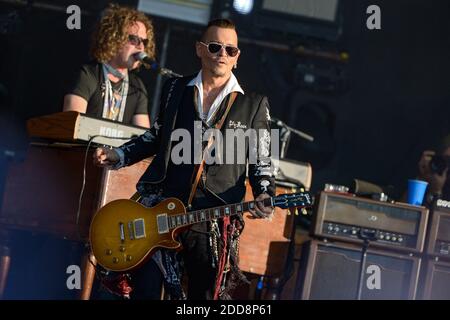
[[367, 236], [299, 133], [169, 73], [162, 72], [286, 133]]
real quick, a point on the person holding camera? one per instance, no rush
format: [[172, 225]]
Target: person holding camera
[[434, 169]]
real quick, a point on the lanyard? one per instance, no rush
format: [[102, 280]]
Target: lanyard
[[114, 103]]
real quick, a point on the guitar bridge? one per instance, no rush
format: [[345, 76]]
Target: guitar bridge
[[162, 223]]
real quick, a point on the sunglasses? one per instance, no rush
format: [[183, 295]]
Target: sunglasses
[[136, 41], [215, 47]]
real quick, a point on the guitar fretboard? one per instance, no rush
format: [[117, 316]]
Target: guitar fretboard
[[197, 216]]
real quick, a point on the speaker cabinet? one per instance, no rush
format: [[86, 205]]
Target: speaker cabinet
[[437, 280], [331, 271], [439, 235]]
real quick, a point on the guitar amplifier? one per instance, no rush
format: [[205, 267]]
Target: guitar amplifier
[[439, 235], [436, 278], [345, 217], [330, 271]]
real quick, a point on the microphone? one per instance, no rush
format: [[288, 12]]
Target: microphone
[[144, 58], [278, 122], [281, 124]]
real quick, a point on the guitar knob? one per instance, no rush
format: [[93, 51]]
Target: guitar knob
[[129, 258], [115, 260], [108, 252], [122, 249]]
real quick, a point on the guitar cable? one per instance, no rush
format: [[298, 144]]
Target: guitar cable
[[100, 273], [83, 183]]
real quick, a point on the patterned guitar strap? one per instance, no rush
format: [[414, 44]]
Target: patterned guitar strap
[[199, 172]]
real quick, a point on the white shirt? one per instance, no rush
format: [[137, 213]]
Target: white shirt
[[231, 86]]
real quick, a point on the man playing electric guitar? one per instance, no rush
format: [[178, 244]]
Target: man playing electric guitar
[[212, 98]]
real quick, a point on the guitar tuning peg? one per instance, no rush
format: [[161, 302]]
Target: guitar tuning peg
[[296, 211], [302, 189], [304, 212]]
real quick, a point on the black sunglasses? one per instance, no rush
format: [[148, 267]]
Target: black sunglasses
[[214, 47], [136, 41]]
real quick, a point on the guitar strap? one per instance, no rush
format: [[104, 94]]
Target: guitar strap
[[200, 167], [136, 196]]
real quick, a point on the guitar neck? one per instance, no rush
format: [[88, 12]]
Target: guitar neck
[[193, 217]]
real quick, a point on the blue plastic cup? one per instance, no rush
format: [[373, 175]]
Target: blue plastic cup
[[416, 191]]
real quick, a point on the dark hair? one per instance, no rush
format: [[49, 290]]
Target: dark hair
[[220, 23]]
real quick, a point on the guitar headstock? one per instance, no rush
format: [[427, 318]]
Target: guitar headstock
[[289, 200]]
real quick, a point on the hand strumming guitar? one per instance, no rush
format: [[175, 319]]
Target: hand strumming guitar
[[105, 157]]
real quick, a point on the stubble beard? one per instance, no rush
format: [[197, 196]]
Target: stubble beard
[[218, 72]]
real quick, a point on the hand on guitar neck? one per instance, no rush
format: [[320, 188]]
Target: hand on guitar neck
[[260, 210]]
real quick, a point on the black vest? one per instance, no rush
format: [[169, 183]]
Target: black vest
[[225, 180], [178, 176]]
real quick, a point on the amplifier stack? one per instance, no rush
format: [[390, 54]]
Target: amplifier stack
[[331, 264]]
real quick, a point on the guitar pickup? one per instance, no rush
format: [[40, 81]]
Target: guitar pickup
[[162, 223], [131, 230], [139, 228]]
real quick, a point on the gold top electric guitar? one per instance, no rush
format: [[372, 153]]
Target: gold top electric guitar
[[124, 233]]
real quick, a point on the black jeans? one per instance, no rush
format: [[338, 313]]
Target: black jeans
[[197, 259], [146, 282], [196, 256]]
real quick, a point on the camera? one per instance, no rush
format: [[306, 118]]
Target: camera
[[438, 164]]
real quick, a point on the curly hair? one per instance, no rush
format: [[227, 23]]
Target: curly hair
[[111, 33]]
